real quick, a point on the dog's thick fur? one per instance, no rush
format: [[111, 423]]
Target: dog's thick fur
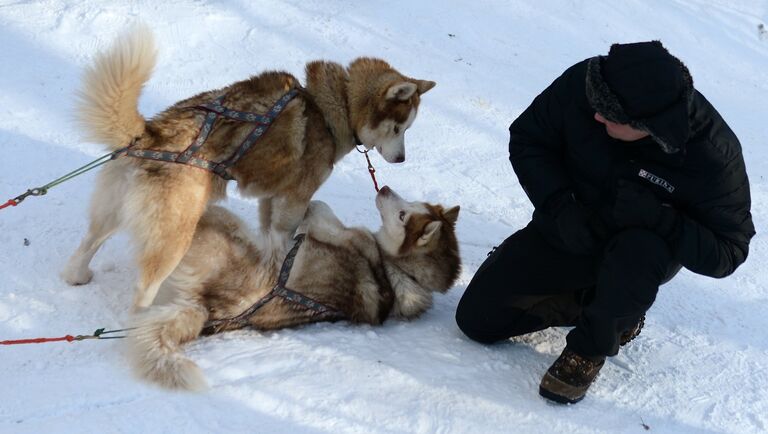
[[161, 202], [367, 276]]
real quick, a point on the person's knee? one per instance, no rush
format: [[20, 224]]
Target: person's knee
[[472, 330], [672, 271], [487, 320], [639, 240], [636, 263], [469, 319], [478, 298], [641, 250], [475, 334]]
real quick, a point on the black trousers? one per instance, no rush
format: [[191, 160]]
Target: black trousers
[[527, 284]]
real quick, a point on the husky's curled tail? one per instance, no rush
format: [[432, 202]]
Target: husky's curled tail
[[107, 107]]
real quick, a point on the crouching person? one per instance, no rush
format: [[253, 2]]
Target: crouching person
[[633, 175]]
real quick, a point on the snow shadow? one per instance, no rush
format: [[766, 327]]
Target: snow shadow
[[43, 89]]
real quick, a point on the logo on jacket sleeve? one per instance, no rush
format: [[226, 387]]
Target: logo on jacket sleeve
[[656, 180]]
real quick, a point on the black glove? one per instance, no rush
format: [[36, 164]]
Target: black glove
[[573, 222], [638, 207]]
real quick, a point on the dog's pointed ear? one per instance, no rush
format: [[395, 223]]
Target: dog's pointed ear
[[429, 232], [402, 91], [452, 215], [424, 85]]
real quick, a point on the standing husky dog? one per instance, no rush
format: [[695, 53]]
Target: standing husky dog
[[364, 276], [161, 202]]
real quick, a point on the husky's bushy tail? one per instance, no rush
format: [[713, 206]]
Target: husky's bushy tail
[[107, 106], [156, 345]]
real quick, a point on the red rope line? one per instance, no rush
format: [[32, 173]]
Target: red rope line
[[11, 202], [68, 338], [98, 334], [371, 170]]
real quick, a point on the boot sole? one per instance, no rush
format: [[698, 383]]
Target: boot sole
[[559, 391], [557, 398]]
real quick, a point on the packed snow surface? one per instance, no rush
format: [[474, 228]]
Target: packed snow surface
[[700, 365]]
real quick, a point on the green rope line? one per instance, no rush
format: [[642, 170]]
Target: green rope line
[[79, 171], [40, 191]]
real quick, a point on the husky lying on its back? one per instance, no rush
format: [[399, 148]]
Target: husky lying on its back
[[365, 277]]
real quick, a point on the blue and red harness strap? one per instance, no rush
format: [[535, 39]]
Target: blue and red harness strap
[[216, 109], [325, 313]]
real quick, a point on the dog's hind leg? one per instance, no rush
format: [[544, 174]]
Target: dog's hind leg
[[156, 344], [77, 271], [164, 222], [105, 214]]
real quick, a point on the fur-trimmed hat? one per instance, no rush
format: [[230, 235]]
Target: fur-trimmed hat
[[642, 85]]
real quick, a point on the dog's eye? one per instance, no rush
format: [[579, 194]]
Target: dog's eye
[[402, 216], [397, 129]]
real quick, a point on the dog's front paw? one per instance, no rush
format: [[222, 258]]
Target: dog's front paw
[[318, 206], [318, 210], [77, 276], [319, 214]]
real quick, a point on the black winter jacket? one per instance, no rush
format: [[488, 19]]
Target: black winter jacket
[[556, 145]]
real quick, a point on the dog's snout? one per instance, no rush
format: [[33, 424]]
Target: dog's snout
[[399, 159], [385, 191]]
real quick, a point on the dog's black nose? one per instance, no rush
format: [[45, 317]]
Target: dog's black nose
[[385, 191], [400, 159]]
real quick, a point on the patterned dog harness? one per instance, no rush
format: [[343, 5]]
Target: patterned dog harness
[[324, 312], [216, 109]]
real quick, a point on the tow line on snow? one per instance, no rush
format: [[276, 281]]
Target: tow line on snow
[[98, 334], [41, 191]]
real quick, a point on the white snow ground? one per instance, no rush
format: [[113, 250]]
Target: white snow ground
[[700, 365]]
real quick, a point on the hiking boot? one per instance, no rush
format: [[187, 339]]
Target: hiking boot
[[632, 333], [568, 379]]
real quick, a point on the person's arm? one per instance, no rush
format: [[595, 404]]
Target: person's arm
[[714, 240], [711, 236], [537, 151], [715, 232], [536, 145]]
